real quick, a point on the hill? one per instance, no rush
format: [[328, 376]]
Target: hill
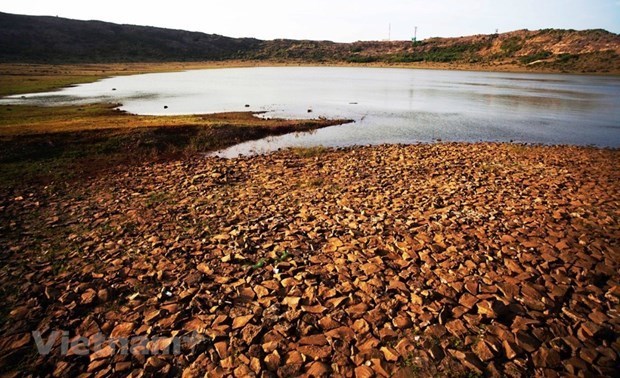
[[39, 39], [42, 39]]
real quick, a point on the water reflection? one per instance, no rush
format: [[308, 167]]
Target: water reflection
[[388, 105]]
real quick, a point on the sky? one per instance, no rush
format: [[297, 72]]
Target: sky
[[337, 20]]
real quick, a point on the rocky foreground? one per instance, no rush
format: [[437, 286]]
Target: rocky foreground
[[447, 259]]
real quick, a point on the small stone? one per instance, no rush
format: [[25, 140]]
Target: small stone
[[390, 354], [510, 349], [467, 300], [482, 350], [319, 340], [456, 328], [222, 349], [103, 295], [589, 355], [469, 360], [590, 328], [526, 342], [241, 321], [242, 371], [491, 308], [318, 369], [249, 333], [363, 372], [546, 357], [88, 296], [272, 361], [402, 322], [315, 352]]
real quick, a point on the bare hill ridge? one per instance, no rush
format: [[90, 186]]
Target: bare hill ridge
[[38, 39]]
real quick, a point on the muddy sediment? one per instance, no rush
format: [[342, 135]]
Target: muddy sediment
[[437, 259]]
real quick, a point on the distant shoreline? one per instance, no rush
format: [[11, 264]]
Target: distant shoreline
[[22, 78]]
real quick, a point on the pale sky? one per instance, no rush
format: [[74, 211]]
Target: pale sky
[[336, 20]]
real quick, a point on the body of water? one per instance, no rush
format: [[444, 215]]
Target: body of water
[[387, 105]]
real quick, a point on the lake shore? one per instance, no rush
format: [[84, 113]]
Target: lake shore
[[43, 145], [30, 78], [452, 259]]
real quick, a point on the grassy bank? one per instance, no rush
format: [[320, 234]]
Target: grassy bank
[[30, 78], [45, 144]]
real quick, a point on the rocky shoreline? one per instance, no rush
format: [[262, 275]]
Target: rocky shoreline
[[446, 259]]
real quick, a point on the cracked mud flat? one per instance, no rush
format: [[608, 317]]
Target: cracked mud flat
[[445, 259]]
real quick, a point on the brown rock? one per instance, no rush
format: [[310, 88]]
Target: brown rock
[[590, 328], [491, 308], [343, 333], [589, 355], [456, 328], [242, 371], [292, 302], [364, 372], [315, 352], [546, 357], [105, 352], [222, 349], [318, 369], [437, 331], [436, 352], [328, 323], [204, 268], [467, 300], [358, 309], [103, 295], [510, 291], [122, 366], [390, 354], [88, 296], [526, 342], [511, 350], [472, 287], [319, 340], [598, 317], [575, 364], [469, 360], [241, 321], [294, 357], [482, 350], [250, 332], [368, 345], [318, 309], [272, 361], [402, 322], [360, 326], [261, 291], [529, 291], [379, 369]]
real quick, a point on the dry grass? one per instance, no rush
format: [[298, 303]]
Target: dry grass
[[29, 78], [28, 120]]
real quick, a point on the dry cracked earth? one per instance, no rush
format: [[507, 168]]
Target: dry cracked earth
[[456, 260]]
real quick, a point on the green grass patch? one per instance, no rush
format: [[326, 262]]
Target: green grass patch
[[512, 45]]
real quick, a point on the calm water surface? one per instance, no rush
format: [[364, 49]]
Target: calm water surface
[[387, 105]]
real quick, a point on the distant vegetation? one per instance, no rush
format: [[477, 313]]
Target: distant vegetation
[[30, 39]]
